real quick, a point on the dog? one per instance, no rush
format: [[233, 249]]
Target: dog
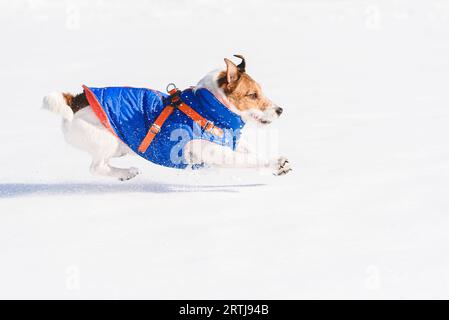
[[200, 126]]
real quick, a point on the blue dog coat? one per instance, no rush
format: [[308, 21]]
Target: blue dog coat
[[130, 112]]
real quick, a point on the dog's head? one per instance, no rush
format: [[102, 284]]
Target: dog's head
[[245, 94]]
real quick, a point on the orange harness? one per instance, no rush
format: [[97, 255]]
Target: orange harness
[[177, 103]]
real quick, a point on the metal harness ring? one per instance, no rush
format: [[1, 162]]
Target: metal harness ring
[[171, 84]]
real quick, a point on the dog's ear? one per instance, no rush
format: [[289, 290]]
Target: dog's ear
[[242, 65], [232, 72]]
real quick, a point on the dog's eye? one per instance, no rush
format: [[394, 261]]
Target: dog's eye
[[252, 95]]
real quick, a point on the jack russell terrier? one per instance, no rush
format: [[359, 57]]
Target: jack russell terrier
[[200, 126]]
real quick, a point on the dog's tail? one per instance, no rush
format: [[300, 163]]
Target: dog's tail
[[59, 103]]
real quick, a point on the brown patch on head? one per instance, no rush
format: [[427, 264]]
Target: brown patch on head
[[242, 90]]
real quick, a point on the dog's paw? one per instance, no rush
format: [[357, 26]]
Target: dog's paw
[[129, 174], [282, 167]]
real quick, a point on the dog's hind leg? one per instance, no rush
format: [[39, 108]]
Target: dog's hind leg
[[87, 133], [101, 167]]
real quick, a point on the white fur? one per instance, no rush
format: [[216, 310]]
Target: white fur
[[55, 103], [83, 130], [87, 133]]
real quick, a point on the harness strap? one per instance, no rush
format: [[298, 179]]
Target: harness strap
[[176, 103], [155, 128], [205, 124]]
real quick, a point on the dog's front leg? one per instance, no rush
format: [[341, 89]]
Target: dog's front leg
[[205, 152]]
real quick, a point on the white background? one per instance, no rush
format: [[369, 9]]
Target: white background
[[364, 214]]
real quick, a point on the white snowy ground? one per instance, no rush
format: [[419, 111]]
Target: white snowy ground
[[364, 214]]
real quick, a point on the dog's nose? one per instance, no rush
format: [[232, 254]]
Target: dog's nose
[[279, 111]]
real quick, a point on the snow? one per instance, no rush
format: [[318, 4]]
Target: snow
[[363, 215]]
